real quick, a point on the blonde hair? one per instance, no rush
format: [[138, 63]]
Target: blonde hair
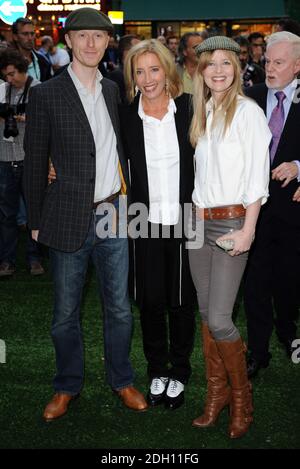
[[202, 94], [166, 59]]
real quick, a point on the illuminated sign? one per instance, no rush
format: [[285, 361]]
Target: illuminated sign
[[116, 17], [11, 10], [67, 5]]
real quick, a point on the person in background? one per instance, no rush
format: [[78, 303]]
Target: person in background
[[251, 73], [47, 45], [187, 61], [272, 286], [288, 24], [231, 139], [162, 39], [155, 134], [172, 45], [13, 102], [59, 57], [23, 40], [257, 48], [117, 75]]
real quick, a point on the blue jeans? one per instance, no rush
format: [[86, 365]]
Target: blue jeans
[[10, 192], [110, 257]]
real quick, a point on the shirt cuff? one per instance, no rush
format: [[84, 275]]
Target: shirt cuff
[[298, 165]]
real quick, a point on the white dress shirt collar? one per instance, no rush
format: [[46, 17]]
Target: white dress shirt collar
[[171, 111], [289, 91], [80, 87]]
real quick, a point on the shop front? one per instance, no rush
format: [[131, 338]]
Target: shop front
[[150, 19]]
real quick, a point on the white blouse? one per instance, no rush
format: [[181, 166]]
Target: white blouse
[[162, 158], [233, 169]]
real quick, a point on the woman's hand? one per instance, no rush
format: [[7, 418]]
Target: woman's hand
[[242, 241], [51, 174], [20, 118]]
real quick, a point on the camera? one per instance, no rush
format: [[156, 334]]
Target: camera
[[7, 112], [248, 75]]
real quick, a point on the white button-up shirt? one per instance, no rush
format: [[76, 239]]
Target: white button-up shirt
[[107, 175], [162, 158], [233, 169]]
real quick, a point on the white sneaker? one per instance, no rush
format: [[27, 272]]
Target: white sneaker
[[175, 388], [175, 394], [158, 385]]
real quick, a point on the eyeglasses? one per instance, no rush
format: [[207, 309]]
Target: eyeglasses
[[28, 33]]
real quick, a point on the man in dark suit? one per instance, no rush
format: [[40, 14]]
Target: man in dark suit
[[73, 119], [272, 278]]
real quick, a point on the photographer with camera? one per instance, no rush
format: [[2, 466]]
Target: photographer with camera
[[251, 73], [13, 99]]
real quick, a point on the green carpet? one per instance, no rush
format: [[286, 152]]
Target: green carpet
[[97, 419]]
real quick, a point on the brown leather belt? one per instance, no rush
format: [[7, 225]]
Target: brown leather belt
[[109, 199], [225, 212]]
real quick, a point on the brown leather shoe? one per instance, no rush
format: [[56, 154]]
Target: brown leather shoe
[[57, 407], [36, 268], [132, 398]]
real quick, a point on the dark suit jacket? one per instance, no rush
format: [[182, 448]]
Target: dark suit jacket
[[57, 128], [133, 140], [280, 200]]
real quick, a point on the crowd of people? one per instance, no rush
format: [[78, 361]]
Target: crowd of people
[[192, 142]]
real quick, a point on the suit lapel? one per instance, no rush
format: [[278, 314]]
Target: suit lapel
[[262, 99], [290, 127], [139, 144], [72, 98], [111, 106], [181, 135]]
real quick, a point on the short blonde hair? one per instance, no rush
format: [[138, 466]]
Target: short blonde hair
[[202, 94], [166, 59]]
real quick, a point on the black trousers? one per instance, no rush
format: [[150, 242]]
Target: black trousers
[[167, 307], [272, 284]]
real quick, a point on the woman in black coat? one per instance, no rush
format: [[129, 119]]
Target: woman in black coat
[[155, 129]]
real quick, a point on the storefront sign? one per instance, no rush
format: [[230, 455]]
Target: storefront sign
[[67, 5]]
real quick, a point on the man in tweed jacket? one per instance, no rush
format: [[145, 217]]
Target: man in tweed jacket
[[73, 120]]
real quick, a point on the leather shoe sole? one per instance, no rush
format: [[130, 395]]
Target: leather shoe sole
[[173, 403], [156, 399]]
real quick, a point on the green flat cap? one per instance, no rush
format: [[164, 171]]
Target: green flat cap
[[88, 18], [217, 42]]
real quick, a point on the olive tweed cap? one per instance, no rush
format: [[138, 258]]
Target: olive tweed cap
[[88, 18], [217, 42]]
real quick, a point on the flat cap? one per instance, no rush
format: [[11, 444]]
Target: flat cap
[[88, 18], [217, 43]]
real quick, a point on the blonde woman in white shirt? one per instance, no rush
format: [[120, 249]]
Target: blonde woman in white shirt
[[231, 139]]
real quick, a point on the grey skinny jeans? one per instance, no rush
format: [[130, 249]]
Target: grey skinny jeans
[[217, 276]]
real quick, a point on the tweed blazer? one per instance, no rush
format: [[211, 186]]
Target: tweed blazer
[[280, 200], [57, 128]]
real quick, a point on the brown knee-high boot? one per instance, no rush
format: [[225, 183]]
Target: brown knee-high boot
[[241, 407], [218, 391]]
